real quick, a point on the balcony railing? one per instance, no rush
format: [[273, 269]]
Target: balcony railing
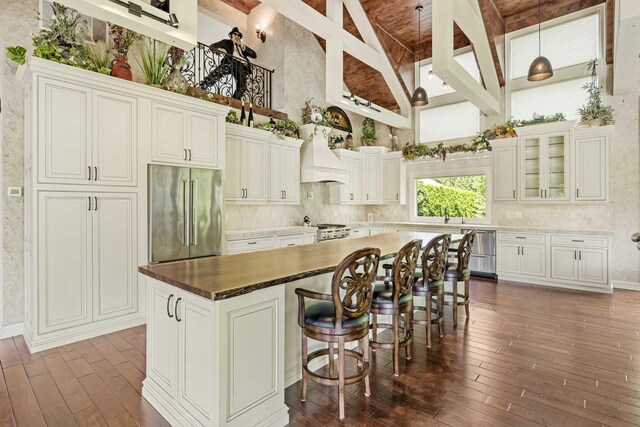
[[217, 72]]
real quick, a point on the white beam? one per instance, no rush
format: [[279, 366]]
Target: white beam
[[626, 61]]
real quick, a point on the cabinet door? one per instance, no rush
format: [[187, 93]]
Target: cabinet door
[[203, 140], [290, 163], [371, 179], [557, 166], [115, 139], [233, 186], [195, 360], [64, 132], [275, 164], [254, 173], [64, 260], [346, 195], [162, 335], [504, 173], [391, 180], [508, 258], [531, 177], [591, 169], [534, 260], [593, 266], [168, 134], [115, 258], [564, 263], [355, 180]]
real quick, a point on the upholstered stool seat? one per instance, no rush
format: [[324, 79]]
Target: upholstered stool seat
[[323, 315], [383, 295]]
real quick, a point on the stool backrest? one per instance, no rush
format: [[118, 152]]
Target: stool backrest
[[352, 284], [434, 258], [464, 250], [404, 269]]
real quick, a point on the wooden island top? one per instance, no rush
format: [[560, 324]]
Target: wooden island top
[[227, 276]]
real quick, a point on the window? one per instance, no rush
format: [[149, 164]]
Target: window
[[569, 43], [461, 196]]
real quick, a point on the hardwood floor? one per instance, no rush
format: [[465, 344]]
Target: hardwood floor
[[527, 356]]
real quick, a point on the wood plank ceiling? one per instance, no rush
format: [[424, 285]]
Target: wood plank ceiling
[[396, 24]]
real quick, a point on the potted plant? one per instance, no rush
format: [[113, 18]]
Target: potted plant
[[63, 40], [16, 54], [368, 132], [122, 39], [595, 113], [175, 81], [154, 62], [97, 57], [319, 117]]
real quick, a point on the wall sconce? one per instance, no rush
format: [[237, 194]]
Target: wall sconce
[[260, 33]]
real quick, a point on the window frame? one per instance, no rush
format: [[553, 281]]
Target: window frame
[[426, 173], [563, 74]]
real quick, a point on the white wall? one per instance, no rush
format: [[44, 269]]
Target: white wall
[[212, 28]]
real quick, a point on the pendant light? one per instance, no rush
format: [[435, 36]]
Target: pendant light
[[540, 68], [419, 97]]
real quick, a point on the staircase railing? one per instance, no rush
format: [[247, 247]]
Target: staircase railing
[[204, 62]]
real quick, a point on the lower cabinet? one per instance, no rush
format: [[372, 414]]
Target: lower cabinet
[[376, 230], [215, 363], [87, 258], [269, 242], [358, 232], [521, 259], [577, 264]]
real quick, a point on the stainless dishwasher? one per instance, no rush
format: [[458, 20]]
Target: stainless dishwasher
[[483, 254]]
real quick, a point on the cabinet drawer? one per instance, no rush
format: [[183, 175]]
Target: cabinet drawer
[[398, 229], [293, 240], [580, 240], [358, 232], [522, 237], [250, 245]]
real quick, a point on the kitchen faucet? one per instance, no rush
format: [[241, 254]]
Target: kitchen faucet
[[446, 216]]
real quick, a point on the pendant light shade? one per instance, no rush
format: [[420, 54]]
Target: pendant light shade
[[540, 68], [419, 97]]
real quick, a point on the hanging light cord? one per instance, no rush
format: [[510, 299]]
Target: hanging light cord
[[419, 7], [539, 35]]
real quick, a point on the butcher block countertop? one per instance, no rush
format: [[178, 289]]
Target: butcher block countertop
[[227, 276]]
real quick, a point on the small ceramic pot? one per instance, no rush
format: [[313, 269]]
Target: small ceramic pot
[[120, 68]]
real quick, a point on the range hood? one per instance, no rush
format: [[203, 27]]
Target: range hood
[[317, 162]]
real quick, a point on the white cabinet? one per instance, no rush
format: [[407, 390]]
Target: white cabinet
[[376, 230], [358, 232], [372, 179], [391, 177], [505, 162], [591, 167], [86, 136], [251, 245], [522, 254], [291, 240], [583, 260], [283, 173], [245, 171], [351, 192], [544, 172], [180, 334], [186, 137], [87, 253]]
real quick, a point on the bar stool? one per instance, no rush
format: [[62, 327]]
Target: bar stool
[[393, 297], [430, 284], [458, 272], [341, 317]]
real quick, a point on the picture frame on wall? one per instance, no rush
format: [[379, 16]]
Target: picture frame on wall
[[339, 119]]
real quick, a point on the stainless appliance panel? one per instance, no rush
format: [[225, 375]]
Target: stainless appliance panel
[[206, 214], [168, 213], [483, 265], [483, 254]]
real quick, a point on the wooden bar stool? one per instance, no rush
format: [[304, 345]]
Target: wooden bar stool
[[341, 317], [393, 297], [430, 284], [458, 272]]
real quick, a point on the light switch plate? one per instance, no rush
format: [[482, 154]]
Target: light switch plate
[[369, 217], [14, 191], [309, 194]]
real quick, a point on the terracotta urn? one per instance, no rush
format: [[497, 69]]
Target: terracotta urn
[[120, 68]]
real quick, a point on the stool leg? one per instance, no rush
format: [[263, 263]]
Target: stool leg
[[374, 328], [466, 296], [455, 303], [428, 304], [365, 354], [303, 391], [396, 365], [341, 376], [440, 307], [331, 361], [408, 333]]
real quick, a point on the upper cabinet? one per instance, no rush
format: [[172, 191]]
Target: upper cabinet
[[391, 177], [545, 166], [283, 169], [86, 136], [505, 177], [591, 163], [351, 192], [186, 137], [372, 182]]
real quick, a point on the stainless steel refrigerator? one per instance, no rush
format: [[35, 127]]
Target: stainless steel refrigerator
[[185, 212]]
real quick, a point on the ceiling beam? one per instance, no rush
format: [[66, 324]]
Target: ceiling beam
[[494, 26]]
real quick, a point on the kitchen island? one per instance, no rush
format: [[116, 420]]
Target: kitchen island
[[222, 335]]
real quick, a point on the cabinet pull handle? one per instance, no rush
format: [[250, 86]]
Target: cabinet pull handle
[[95, 208], [184, 213], [169, 304], [291, 244], [175, 310], [367, 196], [545, 194], [89, 197], [397, 196], [95, 175], [578, 241], [580, 255], [518, 250], [514, 194], [285, 194], [577, 193], [541, 193], [189, 154], [185, 154], [89, 173], [194, 232], [522, 251], [282, 194], [251, 243], [520, 237], [575, 254]]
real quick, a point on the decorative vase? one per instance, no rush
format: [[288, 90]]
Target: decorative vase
[[176, 82], [120, 68], [316, 117], [592, 122]]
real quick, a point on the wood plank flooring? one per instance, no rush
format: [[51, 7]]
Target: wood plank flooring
[[527, 356]]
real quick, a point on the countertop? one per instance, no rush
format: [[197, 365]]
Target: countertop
[[227, 276]]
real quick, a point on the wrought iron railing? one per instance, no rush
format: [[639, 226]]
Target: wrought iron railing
[[220, 73]]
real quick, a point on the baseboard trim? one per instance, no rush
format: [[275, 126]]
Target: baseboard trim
[[621, 284], [10, 331], [559, 285]]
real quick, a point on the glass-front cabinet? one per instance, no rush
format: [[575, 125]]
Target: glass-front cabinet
[[544, 166]]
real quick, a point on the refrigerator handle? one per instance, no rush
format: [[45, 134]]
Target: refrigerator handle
[[185, 213], [194, 233]]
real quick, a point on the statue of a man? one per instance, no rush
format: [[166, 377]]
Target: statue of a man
[[235, 62]]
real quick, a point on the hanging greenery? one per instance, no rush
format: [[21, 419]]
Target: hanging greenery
[[416, 151], [537, 119], [595, 112], [281, 128]]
